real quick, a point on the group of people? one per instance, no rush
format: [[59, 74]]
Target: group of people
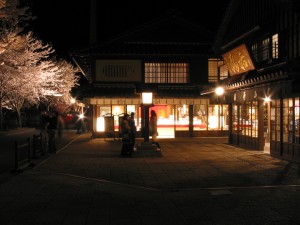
[[52, 122], [128, 132]]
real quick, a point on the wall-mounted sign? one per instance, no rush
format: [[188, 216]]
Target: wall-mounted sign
[[118, 70], [238, 60]]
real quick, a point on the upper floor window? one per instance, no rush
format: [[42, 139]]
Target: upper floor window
[[223, 71], [261, 50], [275, 46], [167, 73], [266, 49], [217, 70]]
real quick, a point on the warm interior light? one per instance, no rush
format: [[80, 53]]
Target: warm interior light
[[72, 100], [213, 122], [219, 90], [147, 97], [100, 124], [117, 110]]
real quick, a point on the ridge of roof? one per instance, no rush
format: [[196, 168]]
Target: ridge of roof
[[171, 16]]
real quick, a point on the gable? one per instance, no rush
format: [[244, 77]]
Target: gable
[[167, 36], [169, 29]]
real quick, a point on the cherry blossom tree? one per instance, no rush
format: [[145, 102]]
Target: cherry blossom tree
[[22, 59], [28, 70], [12, 14], [58, 81], [10, 17]]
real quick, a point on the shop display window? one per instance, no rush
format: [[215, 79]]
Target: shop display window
[[102, 111], [200, 120], [182, 117], [277, 120], [287, 114], [235, 119], [290, 120], [245, 119]]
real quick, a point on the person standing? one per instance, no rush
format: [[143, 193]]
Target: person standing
[[43, 122], [153, 128], [125, 133], [132, 133], [51, 120]]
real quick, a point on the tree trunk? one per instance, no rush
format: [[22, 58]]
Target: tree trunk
[[19, 117]]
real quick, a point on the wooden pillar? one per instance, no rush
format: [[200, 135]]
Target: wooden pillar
[[191, 121], [230, 125], [261, 138]]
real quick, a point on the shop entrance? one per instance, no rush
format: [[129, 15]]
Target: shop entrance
[[165, 120]]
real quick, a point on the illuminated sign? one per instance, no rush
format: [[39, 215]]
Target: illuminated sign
[[238, 60]]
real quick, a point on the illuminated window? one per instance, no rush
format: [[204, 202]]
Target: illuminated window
[[245, 119], [166, 73], [275, 46], [223, 71], [217, 70]]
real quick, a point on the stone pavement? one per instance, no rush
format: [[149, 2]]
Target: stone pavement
[[196, 181]]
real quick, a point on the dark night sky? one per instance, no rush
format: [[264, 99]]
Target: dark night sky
[[65, 23]]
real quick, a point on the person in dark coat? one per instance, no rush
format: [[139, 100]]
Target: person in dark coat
[[51, 120], [153, 128], [125, 133], [132, 133]]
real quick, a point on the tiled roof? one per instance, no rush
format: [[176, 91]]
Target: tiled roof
[[152, 48], [166, 37], [178, 91], [255, 77], [105, 91], [130, 91], [271, 74]]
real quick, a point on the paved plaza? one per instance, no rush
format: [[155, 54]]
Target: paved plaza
[[196, 181]]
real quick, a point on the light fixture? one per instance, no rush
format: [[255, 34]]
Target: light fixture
[[147, 98], [267, 99], [146, 103], [219, 90]]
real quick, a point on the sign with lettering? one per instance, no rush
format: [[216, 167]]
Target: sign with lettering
[[238, 60]]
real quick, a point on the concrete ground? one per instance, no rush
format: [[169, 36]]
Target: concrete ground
[[196, 181]]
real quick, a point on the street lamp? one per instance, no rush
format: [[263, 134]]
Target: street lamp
[[146, 147], [219, 91], [147, 98]]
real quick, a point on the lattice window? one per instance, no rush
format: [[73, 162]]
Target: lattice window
[[167, 73]]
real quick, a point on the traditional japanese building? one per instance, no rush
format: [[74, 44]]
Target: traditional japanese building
[[259, 41], [170, 57]]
